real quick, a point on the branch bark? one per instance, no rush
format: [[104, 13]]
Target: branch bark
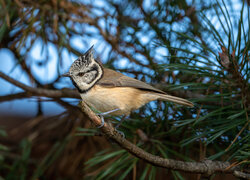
[[10, 97], [41, 91]]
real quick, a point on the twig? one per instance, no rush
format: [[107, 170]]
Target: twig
[[237, 136]]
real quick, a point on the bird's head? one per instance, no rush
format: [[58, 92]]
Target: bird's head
[[85, 71]]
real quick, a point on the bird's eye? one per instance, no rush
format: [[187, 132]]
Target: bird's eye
[[80, 74]]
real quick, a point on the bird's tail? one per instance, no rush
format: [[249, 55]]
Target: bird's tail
[[165, 97]]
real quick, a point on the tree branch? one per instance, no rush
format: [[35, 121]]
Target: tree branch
[[207, 167], [14, 96], [41, 91]]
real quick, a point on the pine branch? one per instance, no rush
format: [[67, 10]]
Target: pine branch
[[206, 167]]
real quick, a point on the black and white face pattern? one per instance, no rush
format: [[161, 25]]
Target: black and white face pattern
[[85, 71]]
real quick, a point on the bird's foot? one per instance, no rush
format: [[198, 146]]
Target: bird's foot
[[103, 114], [102, 122], [121, 133]]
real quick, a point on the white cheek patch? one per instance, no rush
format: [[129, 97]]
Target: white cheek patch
[[89, 77], [84, 86]]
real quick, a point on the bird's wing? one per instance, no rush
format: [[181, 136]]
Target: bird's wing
[[115, 79]]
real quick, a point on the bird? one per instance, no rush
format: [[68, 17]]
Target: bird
[[111, 92]]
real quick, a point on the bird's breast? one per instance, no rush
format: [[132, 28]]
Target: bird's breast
[[126, 99]]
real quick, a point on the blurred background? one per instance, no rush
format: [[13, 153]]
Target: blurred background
[[197, 50]]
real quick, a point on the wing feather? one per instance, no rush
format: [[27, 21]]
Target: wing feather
[[112, 78]]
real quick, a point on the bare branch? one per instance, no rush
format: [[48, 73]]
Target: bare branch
[[42, 92], [14, 96]]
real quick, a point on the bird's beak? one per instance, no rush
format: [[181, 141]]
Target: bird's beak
[[66, 75]]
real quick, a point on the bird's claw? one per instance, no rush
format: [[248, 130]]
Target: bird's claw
[[102, 122], [103, 114], [121, 133]]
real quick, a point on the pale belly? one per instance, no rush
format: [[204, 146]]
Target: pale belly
[[126, 99]]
